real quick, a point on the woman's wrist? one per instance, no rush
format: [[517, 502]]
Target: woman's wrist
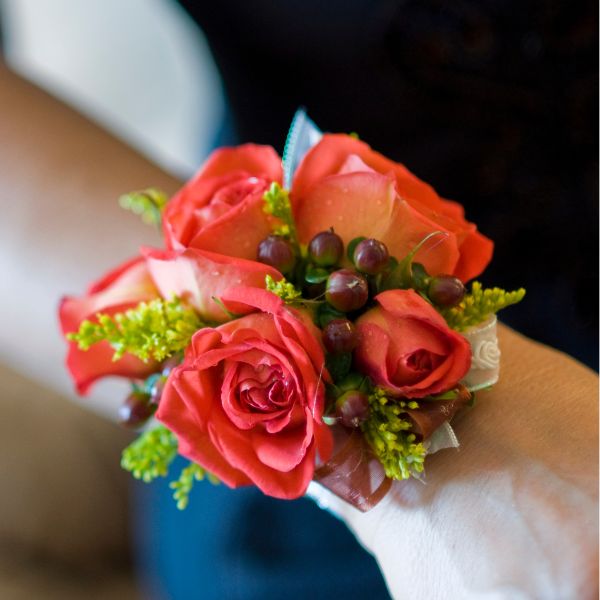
[[513, 512]]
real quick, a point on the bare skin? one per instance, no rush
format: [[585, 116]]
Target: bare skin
[[512, 514]]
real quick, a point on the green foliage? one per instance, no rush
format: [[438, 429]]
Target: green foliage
[[326, 313], [314, 274], [389, 436], [284, 289], [183, 486], [403, 274], [149, 204], [277, 204], [151, 454], [352, 247], [479, 304], [339, 365], [155, 329]]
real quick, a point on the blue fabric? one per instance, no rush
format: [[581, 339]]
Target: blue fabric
[[239, 544]]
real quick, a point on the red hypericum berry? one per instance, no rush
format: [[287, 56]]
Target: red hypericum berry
[[136, 410], [326, 249], [371, 256], [352, 408], [339, 336], [346, 290], [277, 252], [446, 290]]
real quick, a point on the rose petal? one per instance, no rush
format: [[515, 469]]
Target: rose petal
[[194, 442], [329, 156], [239, 231], [475, 254], [336, 154], [198, 277], [284, 451], [365, 204], [119, 290], [186, 219], [353, 204], [237, 448], [255, 159]]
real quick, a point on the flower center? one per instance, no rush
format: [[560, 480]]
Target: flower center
[[265, 390], [415, 366]]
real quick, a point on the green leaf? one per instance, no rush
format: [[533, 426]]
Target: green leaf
[[315, 274], [339, 365], [420, 277], [150, 455], [402, 276], [352, 247], [354, 381], [326, 313]]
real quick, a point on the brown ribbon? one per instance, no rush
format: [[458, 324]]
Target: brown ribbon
[[432, 413], [353, 474], [356, 476]]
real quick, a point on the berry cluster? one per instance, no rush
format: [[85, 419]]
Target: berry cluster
[[344, 292]]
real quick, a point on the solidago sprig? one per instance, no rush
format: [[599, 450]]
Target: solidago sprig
[[479, 304], [151, 330], [277, 203], [389, 436], [150, 455], [284, 289], [148, 203], [183, 486]]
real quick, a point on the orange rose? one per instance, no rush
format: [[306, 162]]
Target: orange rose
[[344, 184], [247, 401], [221, 208], [119, 290], [406, 347]]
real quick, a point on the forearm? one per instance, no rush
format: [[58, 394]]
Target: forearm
[[514, 512], [61, 226]]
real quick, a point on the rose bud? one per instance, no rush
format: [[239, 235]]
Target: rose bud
[[346, 290], [406, 346], [326, 249]]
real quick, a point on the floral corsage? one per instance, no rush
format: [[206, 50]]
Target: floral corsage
[[306, 319]]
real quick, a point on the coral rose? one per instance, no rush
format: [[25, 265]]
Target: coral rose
[[343, 183], [247, 401], [221, 208], [120, 289], [406, 346]]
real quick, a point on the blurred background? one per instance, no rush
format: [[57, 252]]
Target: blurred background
[[494, 103]]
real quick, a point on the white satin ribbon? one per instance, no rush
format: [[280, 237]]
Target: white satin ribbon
[[485, 352]]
